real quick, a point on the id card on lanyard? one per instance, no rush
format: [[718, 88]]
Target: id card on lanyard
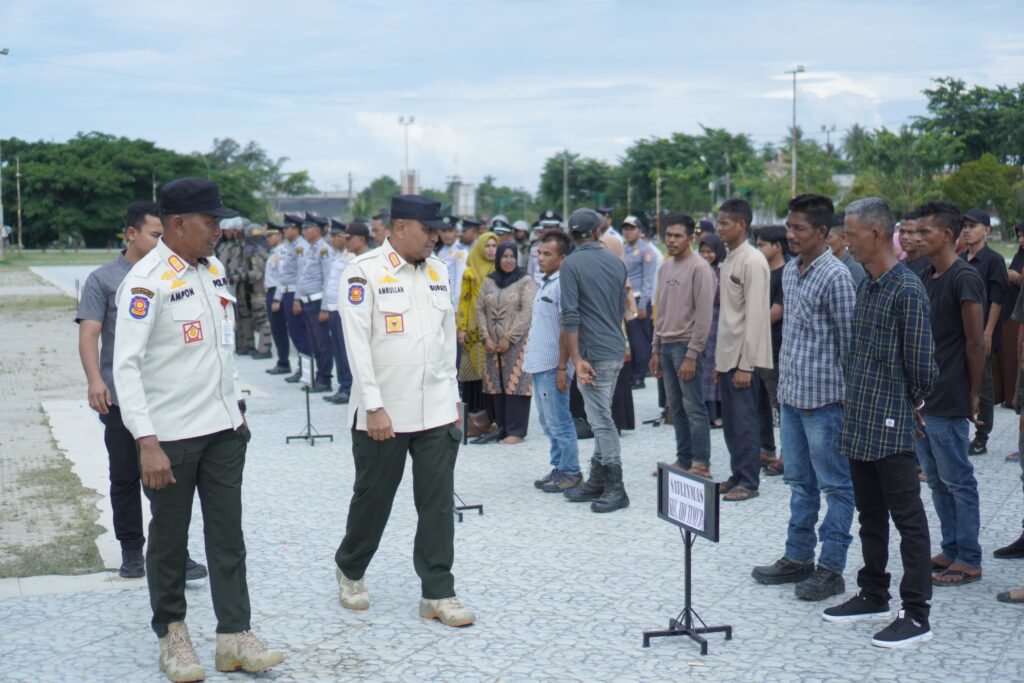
[[227, 329]]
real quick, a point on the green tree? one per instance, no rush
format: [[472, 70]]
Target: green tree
[[492, 199], [989, 185], [589, 181], [984, 120], [376, 197]]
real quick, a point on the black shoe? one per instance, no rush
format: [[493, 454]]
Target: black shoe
[[593, 487], [280, 370], [243, 352], [638, 384], [977, 447], [320, 387], [614, 495], [539, 483], [783, 570], [133, 564], [823, 583], [261, 356], [1011, 552], [294, 379], [906, 630], [338, 398], [493, 435], [193, 570], [856, 608]]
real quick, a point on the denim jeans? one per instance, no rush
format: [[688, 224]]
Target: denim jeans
[[943, 455], [686, 403], [556, 420], [813, 466], [597, 400]]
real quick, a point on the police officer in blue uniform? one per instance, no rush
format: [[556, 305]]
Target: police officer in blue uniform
[[309, 293], [272, 280], [642, 267], [288, 277]]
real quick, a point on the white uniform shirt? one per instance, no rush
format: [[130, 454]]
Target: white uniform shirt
[[457, 268], [174, 373], [399, 328], [339, 262], [272, 271]]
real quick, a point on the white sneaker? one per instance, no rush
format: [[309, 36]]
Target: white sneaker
[[352, 594], [177, 657], [243, 650], [449, 611]]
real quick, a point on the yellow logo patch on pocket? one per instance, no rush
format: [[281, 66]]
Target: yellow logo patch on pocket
[[394, 323]]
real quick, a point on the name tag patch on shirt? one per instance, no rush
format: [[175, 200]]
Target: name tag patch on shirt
[[220, 282], [394, 324], [139, 307], [392, 289], [183, 294], [355, 294], [193, 332]]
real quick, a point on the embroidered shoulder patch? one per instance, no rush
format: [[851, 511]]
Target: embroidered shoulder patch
[[356, 281], [139, 307], [356, 294], [143, 291]]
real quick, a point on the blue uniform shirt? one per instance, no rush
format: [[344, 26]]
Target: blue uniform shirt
[[641, 267], [314, 269]]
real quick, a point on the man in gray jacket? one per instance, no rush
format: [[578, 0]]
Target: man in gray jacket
[[593, 306]]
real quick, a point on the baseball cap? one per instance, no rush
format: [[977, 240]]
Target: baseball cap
[[585, 222]]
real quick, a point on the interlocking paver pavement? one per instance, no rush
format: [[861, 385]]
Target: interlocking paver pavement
[[561, 593]]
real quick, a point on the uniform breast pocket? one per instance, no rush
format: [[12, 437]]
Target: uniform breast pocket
[[187, 314], [393, 313], [441, 306]]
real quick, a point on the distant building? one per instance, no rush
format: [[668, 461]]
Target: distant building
[[328, 205]]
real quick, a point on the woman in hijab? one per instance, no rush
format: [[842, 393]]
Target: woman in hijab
[[712, 249], [504, 311], [479, 264]]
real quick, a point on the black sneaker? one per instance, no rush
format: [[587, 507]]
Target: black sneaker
[[823, 583], [977, 447], [857, 608], [783, 571], [133, 564], [193, 570], [904, 631]]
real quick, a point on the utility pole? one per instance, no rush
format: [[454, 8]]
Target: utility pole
[[1, 207], [351, 204], [798, 70], [828, 136], [405, 123], [728, 178], [565, 185], [17, 185], [629, 196], [154, 187], [657, 202]]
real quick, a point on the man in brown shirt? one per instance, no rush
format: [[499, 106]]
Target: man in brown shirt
[[744, 343], [684, 299]]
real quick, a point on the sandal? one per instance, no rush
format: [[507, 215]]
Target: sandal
[[726, 486], [775, 469], [1015, 596], [955, 577], [739, 493], [766, 460], [937, 566]]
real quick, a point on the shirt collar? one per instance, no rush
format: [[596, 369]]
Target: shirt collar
[[552, 277], [170, 258], [823, 256], [392, 258]]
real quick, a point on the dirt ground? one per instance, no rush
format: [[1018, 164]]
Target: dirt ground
[[47, 519]]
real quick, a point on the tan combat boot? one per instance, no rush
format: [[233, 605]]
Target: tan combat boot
[[449, 611], [177, 658], [352, 594], [245, 651]]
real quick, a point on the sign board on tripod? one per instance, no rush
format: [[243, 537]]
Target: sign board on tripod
[[688, 501], [305, 370]]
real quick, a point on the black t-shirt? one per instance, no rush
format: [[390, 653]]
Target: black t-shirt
[[992, 269], [951, 394], [775, 297], [918, 265]]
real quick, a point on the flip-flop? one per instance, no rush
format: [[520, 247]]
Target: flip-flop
[[739, 494], [939, 568], [960, 578], [1013, 457], [1007, 596]]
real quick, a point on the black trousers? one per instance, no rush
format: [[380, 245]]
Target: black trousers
[[125, 484], [512, 413], [986, 404], [320, 339], [742, 428], [640, 334], [766, 400], [379, 469], [278, 329], [884, 488]]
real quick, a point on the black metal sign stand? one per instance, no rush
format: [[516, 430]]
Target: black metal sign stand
[[461, 506], [309, 433], [683, 625]]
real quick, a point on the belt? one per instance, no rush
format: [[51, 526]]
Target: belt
[[287, 288], [311, 297], [331, 307]]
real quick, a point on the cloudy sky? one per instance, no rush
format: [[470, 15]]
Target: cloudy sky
[[495, 86]]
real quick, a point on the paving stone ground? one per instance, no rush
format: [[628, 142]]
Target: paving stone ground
[[561, 593]]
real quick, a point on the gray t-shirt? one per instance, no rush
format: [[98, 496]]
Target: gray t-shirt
[[99, 303], [593, 299]]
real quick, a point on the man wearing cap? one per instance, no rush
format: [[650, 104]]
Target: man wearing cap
[[446, 238], [593, 299], [468, 230], [608, 229], [329, 310], [272, 280], [399, 328], [992, 268], [174, 369], [254, 259], [641, 264], [502, 228], [284, 298], [309, 293]]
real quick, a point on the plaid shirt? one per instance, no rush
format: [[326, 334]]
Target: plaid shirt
[[891, 367], [815, 331]]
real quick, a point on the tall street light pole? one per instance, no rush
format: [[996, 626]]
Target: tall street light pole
[[3, 52], [792, 155], [405, 123]]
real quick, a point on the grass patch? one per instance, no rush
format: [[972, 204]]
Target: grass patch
[[28, 258], [27, 304], [69, 554]]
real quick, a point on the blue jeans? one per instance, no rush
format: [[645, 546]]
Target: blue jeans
[[943, 456], [597, 400], [556, 420], [813, 466], [686, 403]]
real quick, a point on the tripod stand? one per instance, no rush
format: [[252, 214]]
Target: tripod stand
[[683, 624], [462, 507], [309, 433]]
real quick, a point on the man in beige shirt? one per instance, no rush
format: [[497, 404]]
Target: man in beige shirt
[[744, 343]]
